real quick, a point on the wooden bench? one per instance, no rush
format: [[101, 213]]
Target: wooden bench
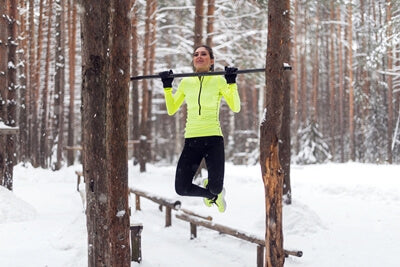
[[194, 222]]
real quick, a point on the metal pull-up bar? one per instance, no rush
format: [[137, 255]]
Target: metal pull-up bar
[[196, 74]]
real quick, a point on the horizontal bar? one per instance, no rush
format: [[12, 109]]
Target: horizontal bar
[[198, 74]]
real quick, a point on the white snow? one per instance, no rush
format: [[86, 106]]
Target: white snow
[[345, 215]]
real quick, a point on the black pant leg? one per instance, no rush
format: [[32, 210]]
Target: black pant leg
[[215, 160], [188, 164]]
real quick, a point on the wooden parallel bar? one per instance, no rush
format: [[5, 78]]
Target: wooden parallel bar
[[173, 204], [221, 228], [233, 232]]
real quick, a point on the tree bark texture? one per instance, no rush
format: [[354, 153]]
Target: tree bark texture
[[210, 22], [198, 22], [11, 93], [3, 82], [270, 129], [106, 31], [35, 87], [350, 75], [390, 118], [117, 132], [23, 70], [71, 78], [44, 140], [135, 85], [95, 32], [59, 79], [285, 144]]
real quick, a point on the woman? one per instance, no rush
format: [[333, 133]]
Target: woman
[[203, 135]]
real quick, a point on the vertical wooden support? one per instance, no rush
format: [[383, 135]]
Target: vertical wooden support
[[78, 181], [260, 256], [137, 202], [136, 242], [168, 220], [193, 230]]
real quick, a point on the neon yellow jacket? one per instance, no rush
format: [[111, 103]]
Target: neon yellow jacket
[[203, 97]]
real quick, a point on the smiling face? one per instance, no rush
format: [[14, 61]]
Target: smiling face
[[202, 60]]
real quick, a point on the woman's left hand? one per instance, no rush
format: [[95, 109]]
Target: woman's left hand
[[230, 74]]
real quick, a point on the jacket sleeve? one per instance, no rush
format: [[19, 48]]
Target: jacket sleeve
[[231, 95], [173, 101]]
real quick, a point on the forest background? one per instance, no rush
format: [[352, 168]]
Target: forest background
[[345, 78]]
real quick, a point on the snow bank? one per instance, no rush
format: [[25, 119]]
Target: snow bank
[[14, 209]]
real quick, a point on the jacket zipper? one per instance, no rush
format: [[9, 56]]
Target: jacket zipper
[[201, 86]]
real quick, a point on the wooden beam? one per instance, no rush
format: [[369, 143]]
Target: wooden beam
[[9, 130], [173, 204], [222, 229], [229, 231]]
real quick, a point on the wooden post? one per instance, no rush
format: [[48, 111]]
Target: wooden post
[[137, 202], [193, 230], [78, 180], [168, 220], [136, 242], [260, 256]]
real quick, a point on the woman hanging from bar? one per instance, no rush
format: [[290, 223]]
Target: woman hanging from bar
[[203, 134]]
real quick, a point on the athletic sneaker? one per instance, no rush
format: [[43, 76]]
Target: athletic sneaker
[[207, 201], [218, 200]]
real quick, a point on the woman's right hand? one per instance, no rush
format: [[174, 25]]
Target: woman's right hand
[[166, 78]]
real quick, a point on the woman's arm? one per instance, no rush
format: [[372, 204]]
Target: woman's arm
[[231, 95], [173, 101]]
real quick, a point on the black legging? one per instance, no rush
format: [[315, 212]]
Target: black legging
[[211, 148]]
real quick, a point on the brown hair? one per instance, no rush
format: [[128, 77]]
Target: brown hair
[[210, 52]]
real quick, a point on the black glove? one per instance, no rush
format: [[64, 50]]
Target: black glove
[[166, 78], [230, 74]]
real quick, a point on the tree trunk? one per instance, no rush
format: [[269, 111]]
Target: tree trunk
[[35, 149], [3, 83], [152, 59], [285, 144], [44, 139], [270, 129], [23, 70], [135, 87], [296, 74], [12, 92], [332, 89], [340, 82], [59, 82], [95, 32], [389, 82], [31, 81], [71, 78], [198, 22], [117, 133], [350, 80], [146, 99], [315, 71], [210, 22], [105, 43]]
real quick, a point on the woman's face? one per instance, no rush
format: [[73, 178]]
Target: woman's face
[[202, 60]]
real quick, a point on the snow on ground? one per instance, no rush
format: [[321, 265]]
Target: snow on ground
[[345, 215]]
